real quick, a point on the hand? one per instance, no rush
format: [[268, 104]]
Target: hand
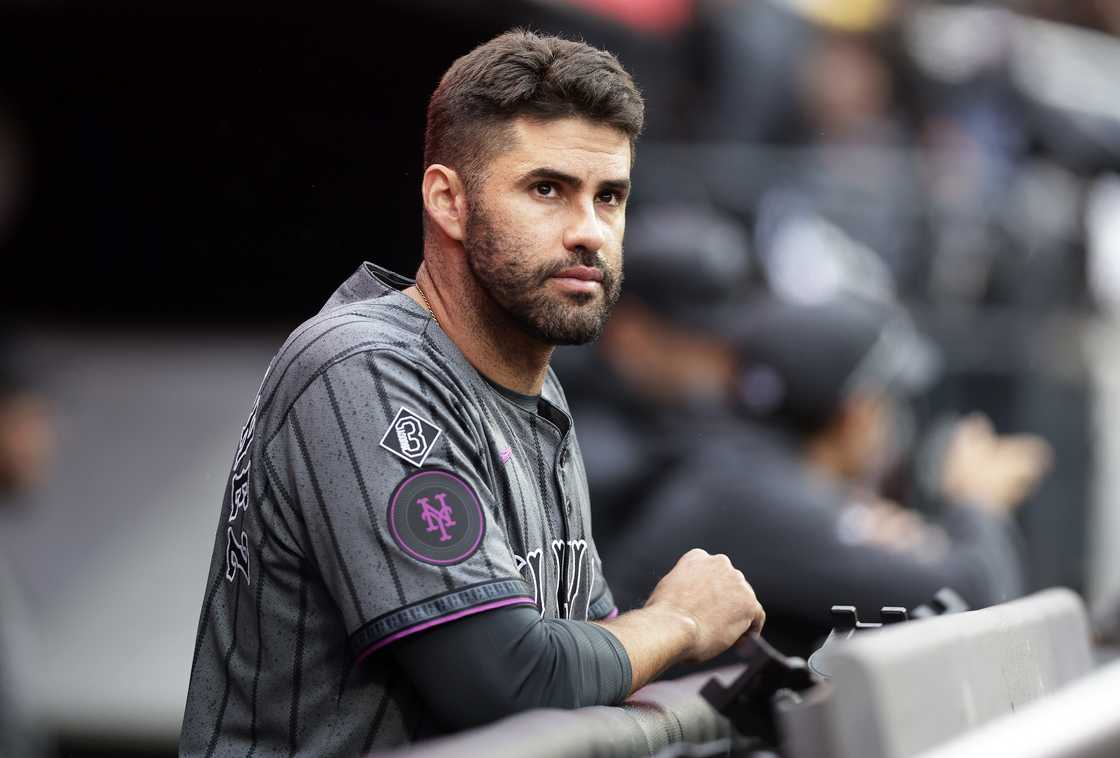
[[870, 519], [991, 471], [715, 600]]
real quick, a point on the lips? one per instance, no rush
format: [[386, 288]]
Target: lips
[[583, 273]]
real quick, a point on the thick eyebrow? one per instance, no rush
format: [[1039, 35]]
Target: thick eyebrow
[[545, 174], [620, 187]]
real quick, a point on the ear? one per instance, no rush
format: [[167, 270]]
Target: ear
[[445, 200]]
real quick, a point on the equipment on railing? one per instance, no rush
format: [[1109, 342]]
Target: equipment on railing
[[846, 624], [771, 679], [748, 702]]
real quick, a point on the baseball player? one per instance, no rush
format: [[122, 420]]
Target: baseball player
[[781, 475], [404, 547]]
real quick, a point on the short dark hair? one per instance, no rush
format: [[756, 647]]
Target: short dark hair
[[521, 73]]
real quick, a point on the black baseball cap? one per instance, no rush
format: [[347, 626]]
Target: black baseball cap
[[691, 264], [801, 362]]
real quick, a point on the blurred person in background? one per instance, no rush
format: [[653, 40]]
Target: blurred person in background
[[665, 355], [764, 429], [857, 174], [26, 442], [853, 171]]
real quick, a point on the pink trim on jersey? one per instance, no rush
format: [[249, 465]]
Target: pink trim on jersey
[[612, 614], [443, 620]]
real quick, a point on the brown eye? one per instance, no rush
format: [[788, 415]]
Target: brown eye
[[545, 189]]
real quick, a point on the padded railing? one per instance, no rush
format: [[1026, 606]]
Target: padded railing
[[1081, 721], [907, 688], [658, 715], [895, 693]]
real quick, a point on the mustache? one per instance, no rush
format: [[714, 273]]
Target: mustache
[[595, 262]]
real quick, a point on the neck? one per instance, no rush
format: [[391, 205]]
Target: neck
[[486, 335]]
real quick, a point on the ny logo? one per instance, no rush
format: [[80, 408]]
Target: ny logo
[[437, 519]]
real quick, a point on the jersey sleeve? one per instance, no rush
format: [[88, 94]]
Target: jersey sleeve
[[789, 541], [377, 466]]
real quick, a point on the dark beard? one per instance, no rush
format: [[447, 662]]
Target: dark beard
[[555, 319]]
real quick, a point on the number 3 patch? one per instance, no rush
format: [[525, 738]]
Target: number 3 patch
[[436, 517], [411, 437]]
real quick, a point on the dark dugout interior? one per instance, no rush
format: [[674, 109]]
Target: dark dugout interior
[[228, 164]]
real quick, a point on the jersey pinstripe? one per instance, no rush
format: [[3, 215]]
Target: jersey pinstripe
[[323, 556]]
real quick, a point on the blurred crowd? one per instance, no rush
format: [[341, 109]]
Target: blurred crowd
[[864, 246], [859, 275]]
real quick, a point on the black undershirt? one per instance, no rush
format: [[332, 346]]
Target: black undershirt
[[533, 404], [484, 667]]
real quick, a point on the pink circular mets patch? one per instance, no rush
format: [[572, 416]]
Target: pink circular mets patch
[[436, 517]]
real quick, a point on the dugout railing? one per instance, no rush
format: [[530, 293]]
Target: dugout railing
[[901, 691]]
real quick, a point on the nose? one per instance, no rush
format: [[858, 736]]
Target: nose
[[585, 230]]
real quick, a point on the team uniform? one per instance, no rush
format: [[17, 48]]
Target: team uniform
[[381, 487], [743, 489]]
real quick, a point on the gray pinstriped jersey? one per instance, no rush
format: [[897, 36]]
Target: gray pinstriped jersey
[[380, 486]]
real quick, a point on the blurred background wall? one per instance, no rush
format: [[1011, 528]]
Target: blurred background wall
[[182, 183]]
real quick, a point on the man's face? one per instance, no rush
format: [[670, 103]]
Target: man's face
[[544, 231]]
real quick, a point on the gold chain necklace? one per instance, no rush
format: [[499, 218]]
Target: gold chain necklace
[[427, 304]]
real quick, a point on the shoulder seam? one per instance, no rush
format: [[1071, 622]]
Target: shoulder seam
[[354, 350], [290, 343]]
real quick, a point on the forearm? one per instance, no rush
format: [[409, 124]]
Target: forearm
[[654, 638], [987, 553], [485, 667]]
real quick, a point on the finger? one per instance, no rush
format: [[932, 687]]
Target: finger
[[981, 422], [758, 621], [1041, 451], [1032, 455]]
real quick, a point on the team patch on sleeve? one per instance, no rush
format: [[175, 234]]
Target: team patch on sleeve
[[411, 437], [436, 517]]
